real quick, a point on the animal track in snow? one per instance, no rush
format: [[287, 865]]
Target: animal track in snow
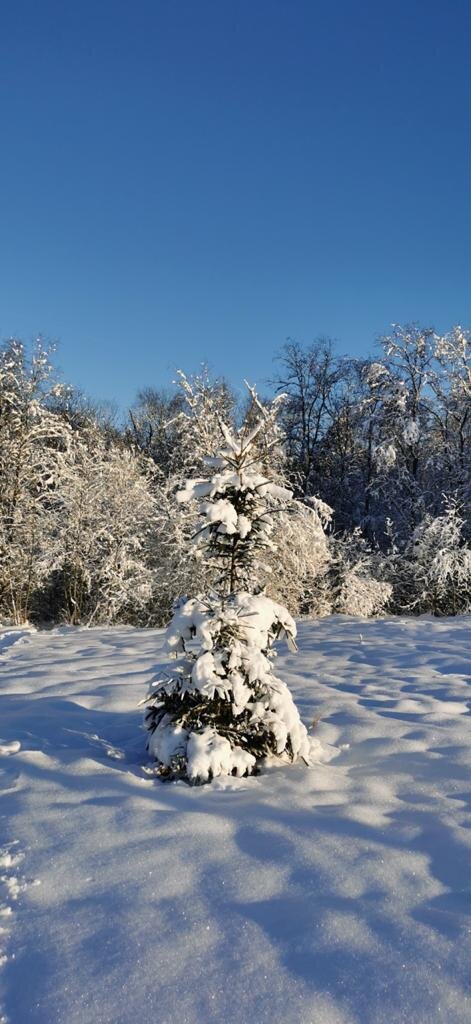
[[6, 915], [13, 886]]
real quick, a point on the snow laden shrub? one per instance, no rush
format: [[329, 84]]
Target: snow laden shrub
[[441, 565], [103, 559], [301, 557], [178, 569], [353, 583], [220, 709], [34, 459]]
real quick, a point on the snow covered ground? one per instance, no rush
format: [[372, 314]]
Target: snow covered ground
[[333, 895]]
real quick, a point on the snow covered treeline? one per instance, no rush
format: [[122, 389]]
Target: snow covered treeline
[[377, 453], [76, 506]]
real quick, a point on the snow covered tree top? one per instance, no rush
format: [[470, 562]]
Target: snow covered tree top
[[238, 501]]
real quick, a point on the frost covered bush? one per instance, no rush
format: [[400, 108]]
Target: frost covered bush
[[440, 565], [34, 454], [354, 582], [103, 562], [362, 595], [220, 709], [301, 557]]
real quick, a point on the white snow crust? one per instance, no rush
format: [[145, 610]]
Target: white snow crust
[[337, 894]]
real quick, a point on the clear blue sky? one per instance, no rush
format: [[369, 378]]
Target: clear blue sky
[[188, 180]]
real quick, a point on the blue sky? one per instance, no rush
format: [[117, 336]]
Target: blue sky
[[197, 180]]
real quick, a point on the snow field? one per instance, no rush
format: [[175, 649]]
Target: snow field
[[333, 895]]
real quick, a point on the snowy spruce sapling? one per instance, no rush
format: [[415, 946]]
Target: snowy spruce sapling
[[220, 709]]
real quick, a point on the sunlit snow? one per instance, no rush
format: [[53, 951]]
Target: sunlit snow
[[337, 894]]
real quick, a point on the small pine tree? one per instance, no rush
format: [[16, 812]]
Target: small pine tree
[[221, 710]]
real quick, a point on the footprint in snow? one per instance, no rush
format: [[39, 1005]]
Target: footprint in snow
[[13, 885], [6, 919]]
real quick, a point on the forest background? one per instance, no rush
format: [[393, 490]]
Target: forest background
[[376, 451]]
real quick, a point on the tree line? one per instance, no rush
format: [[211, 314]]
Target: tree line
[[377, 452]]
